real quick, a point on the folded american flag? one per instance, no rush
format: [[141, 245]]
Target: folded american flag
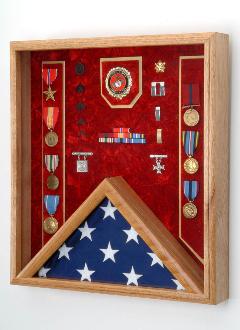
[[105, 248]]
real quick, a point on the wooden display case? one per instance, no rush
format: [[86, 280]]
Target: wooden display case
[[200, 266]]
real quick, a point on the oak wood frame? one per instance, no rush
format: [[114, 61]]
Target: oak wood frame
[[216, 158]]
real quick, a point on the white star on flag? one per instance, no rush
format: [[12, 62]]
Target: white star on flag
[[178, 284], [86, 273], [132, 235], [132, 277], [109, 253], [86, 231], [64, 251], [43, 272], [155, 259], [109, 210]]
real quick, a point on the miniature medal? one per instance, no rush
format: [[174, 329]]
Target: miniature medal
[[50, 224], [50, 117], [118, 82], [190, 191], [49, 75], [191, 117], [51, 162], [190, 142]]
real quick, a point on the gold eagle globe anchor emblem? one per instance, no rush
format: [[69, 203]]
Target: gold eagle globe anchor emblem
[[118, 82]]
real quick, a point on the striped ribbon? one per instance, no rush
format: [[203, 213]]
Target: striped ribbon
[[50, 116], [51, 162], [190, 189], [49, 75], [190, 141]]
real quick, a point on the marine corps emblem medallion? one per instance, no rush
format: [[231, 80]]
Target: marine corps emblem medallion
[[118, 82]]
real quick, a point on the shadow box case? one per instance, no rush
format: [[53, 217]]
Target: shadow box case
[[120, 165]]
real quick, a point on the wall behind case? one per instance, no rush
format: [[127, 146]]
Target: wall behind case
[[34, 308]]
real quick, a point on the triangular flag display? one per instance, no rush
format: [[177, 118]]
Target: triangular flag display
[[106, 248], [114, 243]]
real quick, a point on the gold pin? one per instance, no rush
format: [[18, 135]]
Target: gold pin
[[160, 66]]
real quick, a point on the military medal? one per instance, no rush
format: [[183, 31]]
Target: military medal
[[82, 164], [190, 191], [190, 142], [191, 100], [118, 82], [158, 167], [191, 117], [51, 162], [158, 88], [49, 75], [50, 224], [50, 117]]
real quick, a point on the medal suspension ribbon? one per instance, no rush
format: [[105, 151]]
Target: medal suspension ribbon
[[190, 142]]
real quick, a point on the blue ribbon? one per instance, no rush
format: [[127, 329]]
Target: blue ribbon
[[190, 140], [190, 94], [190, 189], [51, 203]]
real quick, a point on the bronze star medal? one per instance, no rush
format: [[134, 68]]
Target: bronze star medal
[[49, 94]]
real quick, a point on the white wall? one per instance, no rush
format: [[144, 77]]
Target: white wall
[[32, 308]]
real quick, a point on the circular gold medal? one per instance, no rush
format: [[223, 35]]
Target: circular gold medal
[[189, 210], [50, 225], [191, 117], [191, 165], [52, 182], [51, 139]]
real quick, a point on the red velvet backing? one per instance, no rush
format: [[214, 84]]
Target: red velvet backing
[[160, 192]]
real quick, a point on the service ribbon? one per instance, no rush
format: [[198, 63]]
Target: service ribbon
[[190, 95], [50, 116], [51, 162], [49, 75], [190, 189], [51, 203], [190, 141]]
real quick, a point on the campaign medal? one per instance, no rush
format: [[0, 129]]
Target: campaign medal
[[191, 117], [190, 189], [49, 75], [82, 164], [118, 82], [50, 117], [51, 162], [190, 142], [191, 96], [50, 224]]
